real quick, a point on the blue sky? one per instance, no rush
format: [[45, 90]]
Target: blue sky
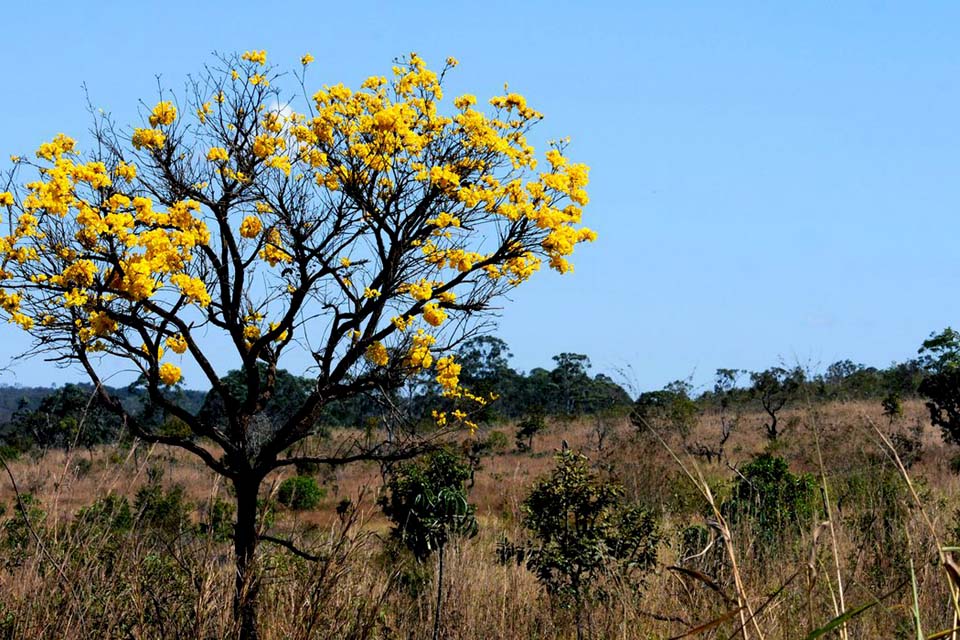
[[768, 180]]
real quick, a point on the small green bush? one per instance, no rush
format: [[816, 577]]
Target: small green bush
[[774, 500], [300, 493], [498, 441]]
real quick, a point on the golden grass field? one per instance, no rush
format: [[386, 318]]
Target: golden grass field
[[69, 581]]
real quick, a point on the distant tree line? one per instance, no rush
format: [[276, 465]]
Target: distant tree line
[[38, 417]]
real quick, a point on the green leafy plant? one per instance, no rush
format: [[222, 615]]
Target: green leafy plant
[[300, 493], [427, 502], [583, 529], [772, 499]]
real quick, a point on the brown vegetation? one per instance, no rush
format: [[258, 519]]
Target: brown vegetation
[[69, 580]]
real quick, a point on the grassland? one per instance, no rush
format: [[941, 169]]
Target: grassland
[[64, 576]]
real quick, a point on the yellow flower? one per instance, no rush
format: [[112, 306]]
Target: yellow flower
[[419, 356], [377, 354], [75, 298], [434, 315], [25, 322], [369, 293], [422, 290], [465, 101], [148, 138], [6, 199], [126, 171], [52, 150], [282, 335], [344, 262], [169, 374], [251, 227], [260, 57], [448, 374], [163, 114], [273, 251], [217, 154], [306, 59], [102, 324], [279, 162], [193, 288], [251, 332], [203, 111], [177, 343]]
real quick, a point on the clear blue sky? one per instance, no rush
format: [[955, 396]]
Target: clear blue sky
[[768, 180]]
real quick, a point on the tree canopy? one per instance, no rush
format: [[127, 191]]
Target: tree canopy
[[367, 229]]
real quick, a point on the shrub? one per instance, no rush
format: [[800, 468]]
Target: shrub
[[498, 441], [772, 498], [892, 406], [583, 529], [300, 493]]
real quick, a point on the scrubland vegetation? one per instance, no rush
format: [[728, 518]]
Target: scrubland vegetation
[[690, 520]]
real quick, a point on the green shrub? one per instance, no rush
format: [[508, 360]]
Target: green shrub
[[427, 502], [300, 493], [770, 497], [583, 528], [531, 424], [111, 512], [218, 520], [166, 513], [498, 441]]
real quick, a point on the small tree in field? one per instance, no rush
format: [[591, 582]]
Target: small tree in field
[[584, 529], [427, 503], [365, 234], [774, 388]]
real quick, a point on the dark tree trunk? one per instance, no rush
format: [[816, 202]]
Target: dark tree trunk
[[245, 546], [771, 426]]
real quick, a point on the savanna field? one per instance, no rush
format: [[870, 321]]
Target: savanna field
[[130, 541]]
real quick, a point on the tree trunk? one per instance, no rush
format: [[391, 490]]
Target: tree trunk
[[245, 546]]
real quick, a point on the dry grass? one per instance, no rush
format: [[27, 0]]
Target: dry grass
[[77, 582]]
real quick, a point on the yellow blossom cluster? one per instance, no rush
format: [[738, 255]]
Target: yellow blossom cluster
[[217, 154], [260, 57], [148, 138], [448, 374], [126, 171], [376, 353], [163, 114], [433, 314], [273, 251], [177, 344], [123, 249], [251, 227], [169, 374]]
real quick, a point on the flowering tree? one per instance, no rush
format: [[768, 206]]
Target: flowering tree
[[368, 232]]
